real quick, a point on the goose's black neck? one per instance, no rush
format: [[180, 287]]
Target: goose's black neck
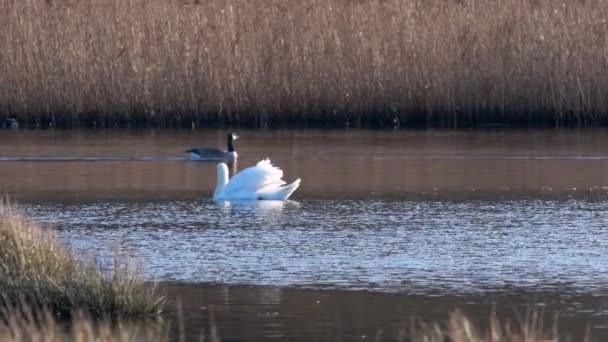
[[230, 143]]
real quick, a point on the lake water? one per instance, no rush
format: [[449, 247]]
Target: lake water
[[472, 215]]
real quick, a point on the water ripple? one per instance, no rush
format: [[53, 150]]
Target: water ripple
[[413, 246]]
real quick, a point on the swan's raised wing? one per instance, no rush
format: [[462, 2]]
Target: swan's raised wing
[[252, 179]]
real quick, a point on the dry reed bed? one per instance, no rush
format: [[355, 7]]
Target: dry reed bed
[[36, 272], [311, 62]]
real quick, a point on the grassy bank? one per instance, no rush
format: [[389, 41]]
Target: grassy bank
[[37, 273], [373, 63]]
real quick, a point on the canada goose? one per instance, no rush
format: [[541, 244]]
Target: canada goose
[[216, 153]]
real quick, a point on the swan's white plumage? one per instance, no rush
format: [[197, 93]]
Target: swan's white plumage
[[260, 182]]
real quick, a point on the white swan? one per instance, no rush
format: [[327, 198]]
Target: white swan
[[260, 182]]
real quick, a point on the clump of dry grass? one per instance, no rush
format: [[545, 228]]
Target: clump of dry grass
[[373, 63], [21, 324], [459, 328], [36, 271]]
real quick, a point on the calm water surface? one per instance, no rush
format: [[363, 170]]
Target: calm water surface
[[99, 166], [416, 214]]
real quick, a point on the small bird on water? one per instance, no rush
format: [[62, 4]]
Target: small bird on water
[[10, 123]]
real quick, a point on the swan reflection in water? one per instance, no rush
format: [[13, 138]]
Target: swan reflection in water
[[258, 213], [258, 206]]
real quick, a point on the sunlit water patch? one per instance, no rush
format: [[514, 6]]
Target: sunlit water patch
[[411, 246]]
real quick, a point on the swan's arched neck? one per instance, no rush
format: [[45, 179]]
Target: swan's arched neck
[[222, 180]]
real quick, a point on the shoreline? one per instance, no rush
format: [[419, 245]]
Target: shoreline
[[31, 122]]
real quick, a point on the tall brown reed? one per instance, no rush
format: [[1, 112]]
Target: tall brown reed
[[310, 62]]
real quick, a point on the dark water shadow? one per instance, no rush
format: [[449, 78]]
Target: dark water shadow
[[249, 313]]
